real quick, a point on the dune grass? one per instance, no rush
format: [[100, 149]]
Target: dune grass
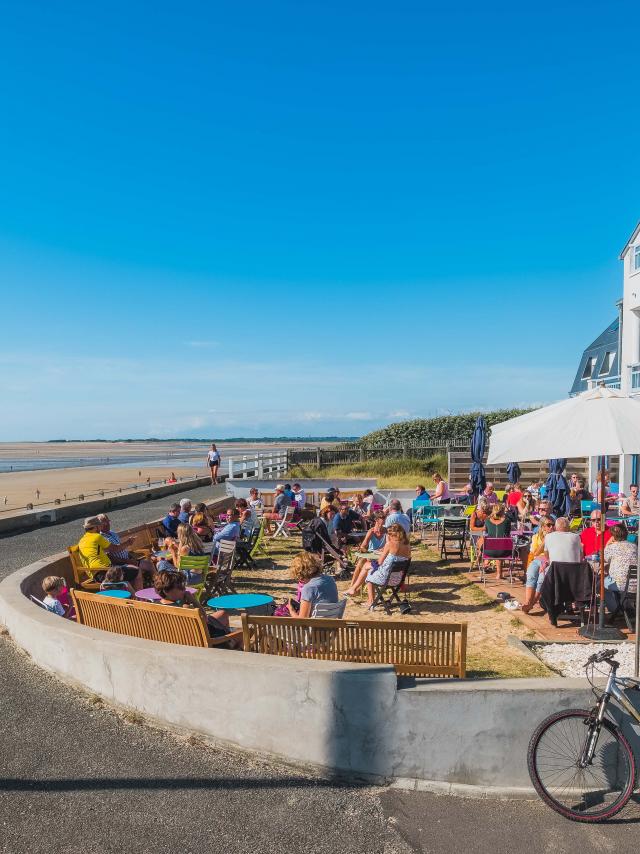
[[390, 473]]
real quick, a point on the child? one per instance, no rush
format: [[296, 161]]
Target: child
[[55, 587], [114, 580]]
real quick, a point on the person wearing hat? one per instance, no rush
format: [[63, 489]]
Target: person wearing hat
[[95, 553], [280, 503]]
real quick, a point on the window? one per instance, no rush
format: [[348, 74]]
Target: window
[[636, 257], [607, 363], [588, 368]]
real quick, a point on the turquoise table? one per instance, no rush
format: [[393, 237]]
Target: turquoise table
[[251, 602], [115, 594]]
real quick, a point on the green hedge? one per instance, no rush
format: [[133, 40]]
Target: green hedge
[[443, 428]]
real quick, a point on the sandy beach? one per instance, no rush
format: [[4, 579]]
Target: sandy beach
[[43, 486], [17, 489]]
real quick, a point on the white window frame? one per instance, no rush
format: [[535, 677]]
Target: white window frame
[[607, 363], [635, 265], [591, 364]]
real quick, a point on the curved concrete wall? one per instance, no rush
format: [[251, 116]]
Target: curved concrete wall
[[355, 719]]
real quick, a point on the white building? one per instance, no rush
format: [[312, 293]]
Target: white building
[[630, 340]]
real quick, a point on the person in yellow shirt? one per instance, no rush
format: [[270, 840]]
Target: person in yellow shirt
[[94, 550]]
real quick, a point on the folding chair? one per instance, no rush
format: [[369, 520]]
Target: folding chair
[[586, 507], [258, 547], [38, 602], [505, 545], [330, 610], [454, 531], [626, 599], [218, 581], [194, 563], [245, 548], [475, 554], [398, 581], [416, 507], [428, 517], [286, 524]]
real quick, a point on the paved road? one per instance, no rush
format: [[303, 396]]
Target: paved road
[[76, 776]]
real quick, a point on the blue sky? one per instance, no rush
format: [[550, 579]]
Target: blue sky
[[279, 218]]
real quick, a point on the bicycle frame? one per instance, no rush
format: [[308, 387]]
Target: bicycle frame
[[615, 689]]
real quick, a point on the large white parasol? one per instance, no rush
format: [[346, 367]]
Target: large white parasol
[[599, 422]]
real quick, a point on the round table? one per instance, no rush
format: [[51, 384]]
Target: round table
[[367, 555], [249, 602], [115, 594], [148, 594]]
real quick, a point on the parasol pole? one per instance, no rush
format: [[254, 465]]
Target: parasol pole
[[636, 669], [603, 523]]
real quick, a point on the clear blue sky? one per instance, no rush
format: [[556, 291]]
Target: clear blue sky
[[306, 218]]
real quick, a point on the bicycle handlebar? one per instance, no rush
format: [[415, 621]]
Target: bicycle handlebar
[[598, 657]]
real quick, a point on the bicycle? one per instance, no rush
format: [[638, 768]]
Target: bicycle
[[579, 761]]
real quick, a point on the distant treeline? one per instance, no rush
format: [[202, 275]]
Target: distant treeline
[[252, 439]]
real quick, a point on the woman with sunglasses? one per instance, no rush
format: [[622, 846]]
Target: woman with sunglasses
[[537, 564]]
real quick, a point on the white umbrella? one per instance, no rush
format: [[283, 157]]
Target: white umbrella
[[598, 422], [601, 421]]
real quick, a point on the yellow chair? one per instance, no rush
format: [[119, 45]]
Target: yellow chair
[[468, 511]]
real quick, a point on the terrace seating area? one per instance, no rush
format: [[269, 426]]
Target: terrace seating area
[[118, 583]]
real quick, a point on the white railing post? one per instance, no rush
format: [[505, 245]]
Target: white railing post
[[230, 468], [260, 467], [244, 466]]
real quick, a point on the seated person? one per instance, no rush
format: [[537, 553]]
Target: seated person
[[185, 511], [171, 521], [54, 588], [631, 504], [590, 537], [114, 580], [329, 516], [202, 523], [562, 545], [514, 496], [280, 503], [329, 499], [186, 544], [230, 531], [465, 497], [497, 526], [395, 549], [255, 502], [619, 555], [490, 494], [395, 516], [95, 550], [421, 495], [122, 556], [374, 540], [248, 518], [317, 587], [441, 493], [346, 522], [171, 588], [290, 493], [537, 564]]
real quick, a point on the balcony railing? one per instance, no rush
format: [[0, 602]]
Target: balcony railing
[[610, 382], [635, 377]]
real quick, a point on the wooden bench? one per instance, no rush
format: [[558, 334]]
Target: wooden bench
[[81, 575], [414, 648], [185, 626]]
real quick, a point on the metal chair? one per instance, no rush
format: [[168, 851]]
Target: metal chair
[[507, 548], [329, 610], [398, 580], [193, 563], [454, 531], [626, 599], [245, 548], [218, 582]]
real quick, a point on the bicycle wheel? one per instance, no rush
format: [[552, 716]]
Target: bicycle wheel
[[590, 794]]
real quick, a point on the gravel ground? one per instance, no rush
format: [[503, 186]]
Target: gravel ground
[[569, 658]]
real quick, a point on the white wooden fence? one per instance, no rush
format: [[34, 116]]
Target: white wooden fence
[[258, 466]]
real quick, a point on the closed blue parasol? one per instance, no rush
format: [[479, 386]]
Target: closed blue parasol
[[478, 446], [558, 488], [513, 473]]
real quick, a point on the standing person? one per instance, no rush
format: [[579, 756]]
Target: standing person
[[441, 494], [213, 461]]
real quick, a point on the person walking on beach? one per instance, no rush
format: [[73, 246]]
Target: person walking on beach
[[213, 461]]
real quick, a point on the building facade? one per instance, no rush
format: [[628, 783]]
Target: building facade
[[630, 340]]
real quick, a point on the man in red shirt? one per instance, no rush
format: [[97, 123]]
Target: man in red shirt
[[590, 537], [515, 495]]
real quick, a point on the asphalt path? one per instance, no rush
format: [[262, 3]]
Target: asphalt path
[[79, 776]]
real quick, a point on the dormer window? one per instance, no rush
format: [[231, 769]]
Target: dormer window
[[588, 368], [607, 363]]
